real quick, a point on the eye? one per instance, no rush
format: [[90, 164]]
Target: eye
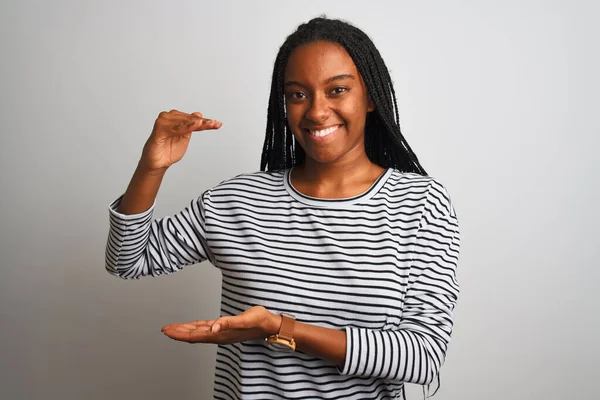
[[338, 90], [296, 95]]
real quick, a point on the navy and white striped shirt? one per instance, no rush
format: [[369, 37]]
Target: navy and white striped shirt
[[381, 266]]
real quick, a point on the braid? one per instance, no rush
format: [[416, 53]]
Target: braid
[[384, 143]]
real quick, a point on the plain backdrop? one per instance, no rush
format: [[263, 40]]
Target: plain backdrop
[[499, 99]]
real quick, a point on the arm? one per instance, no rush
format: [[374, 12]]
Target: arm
[[142, 190], [137, 245], [328, 344], [415, 350]]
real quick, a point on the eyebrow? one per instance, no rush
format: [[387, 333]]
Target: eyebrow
[[329, 80]]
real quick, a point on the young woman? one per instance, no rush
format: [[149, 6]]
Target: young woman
[[338, 258]]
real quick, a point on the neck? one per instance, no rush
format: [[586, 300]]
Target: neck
[[336, 172], [342, 178]]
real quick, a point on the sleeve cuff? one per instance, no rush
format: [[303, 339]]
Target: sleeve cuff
[[369, 353], [349, 345], [112, 209]]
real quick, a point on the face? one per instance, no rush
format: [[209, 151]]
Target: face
[[326, 102]]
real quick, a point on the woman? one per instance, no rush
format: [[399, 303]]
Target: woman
[[338, 258]]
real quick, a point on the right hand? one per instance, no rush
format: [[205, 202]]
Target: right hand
[[170, 138]]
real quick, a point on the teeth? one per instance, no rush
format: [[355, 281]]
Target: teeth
[[324, 132]]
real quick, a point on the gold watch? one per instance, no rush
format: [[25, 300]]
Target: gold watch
[[284, 340]]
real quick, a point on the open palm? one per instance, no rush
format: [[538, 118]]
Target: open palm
[[255, 323]]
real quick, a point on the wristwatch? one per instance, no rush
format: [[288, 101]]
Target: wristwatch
[[284, 340]]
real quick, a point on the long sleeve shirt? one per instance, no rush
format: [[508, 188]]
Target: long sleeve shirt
[[380, 265]]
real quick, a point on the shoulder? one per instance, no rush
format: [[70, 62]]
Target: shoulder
[[249, 184], [433, 194], [258, 178]]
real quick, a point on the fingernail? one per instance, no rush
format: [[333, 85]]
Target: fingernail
[[215, 328]]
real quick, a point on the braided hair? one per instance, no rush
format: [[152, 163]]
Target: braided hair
[[384, 143]]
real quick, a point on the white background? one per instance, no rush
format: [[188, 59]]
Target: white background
[[498, 99]]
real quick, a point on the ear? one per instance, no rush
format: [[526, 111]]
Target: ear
[[370, 105]]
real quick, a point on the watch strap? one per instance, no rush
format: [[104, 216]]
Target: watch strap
[[286, 329]]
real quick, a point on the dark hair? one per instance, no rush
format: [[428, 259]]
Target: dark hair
[[384, 143]]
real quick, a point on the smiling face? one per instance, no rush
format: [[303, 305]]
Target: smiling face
[[326, 103]]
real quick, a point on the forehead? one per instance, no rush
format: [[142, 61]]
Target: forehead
[[318, 61]]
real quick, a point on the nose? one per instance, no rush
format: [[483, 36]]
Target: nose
[[318, 111]]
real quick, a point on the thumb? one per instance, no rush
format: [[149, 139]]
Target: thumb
[[225, 323]]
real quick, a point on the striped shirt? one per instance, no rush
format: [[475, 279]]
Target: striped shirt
[[380, 265]]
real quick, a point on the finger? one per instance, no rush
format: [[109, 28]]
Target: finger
[[190, 325], [182, 333], [204, 322], [175, 116], [202, 330], [170, 115], [170, 326], [184, 123], [198, 324], [181, 336], [194, 124], [175, 113], [204, 124], [183, 328], [180, 327]]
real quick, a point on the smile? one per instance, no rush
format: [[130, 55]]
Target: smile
[[324, 132]]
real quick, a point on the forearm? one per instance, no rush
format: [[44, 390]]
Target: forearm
[[325, 343], [399, 355], [141, 192]]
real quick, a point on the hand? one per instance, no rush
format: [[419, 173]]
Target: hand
[[255, 323], [170, 138]]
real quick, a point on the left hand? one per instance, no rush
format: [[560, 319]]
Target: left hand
[[255, 323]]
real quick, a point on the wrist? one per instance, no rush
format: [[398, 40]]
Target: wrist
[[273, 324], [143, 170]]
